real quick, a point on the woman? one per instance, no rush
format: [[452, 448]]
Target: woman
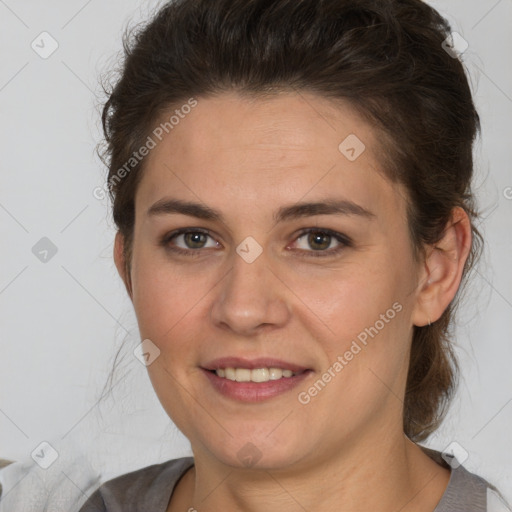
[[291, 183]]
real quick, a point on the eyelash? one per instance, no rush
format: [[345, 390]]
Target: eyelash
[[344, 241]]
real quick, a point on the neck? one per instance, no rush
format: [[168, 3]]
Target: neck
[[393, 475]]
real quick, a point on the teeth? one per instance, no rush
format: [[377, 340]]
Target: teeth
[[255, 375]]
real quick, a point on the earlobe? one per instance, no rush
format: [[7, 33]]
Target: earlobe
[[120, 262], [443, 267]]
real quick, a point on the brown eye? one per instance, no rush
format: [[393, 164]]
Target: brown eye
[[193, 239], [187, 241], [318, 242]]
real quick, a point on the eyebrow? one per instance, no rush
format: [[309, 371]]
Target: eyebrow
[[167, 206]]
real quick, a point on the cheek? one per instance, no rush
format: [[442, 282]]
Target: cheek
[[162, 295], [364, 365], [346, 300], [360, 319], [167, 305]]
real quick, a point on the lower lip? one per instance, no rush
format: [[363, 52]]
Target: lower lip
[[254, 391]]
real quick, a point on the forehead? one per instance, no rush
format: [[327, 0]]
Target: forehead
[[234, 150]]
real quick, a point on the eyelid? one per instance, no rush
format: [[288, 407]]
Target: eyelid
[[166, 239], [343, 240]]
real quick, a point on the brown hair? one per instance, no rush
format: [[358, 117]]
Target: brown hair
[[385, 57]]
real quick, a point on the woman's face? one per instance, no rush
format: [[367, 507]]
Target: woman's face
[[253, 284]]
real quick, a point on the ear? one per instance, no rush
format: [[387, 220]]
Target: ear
[[442, 269], [121, 263]]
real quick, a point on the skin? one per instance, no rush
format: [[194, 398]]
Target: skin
[[247, 158]]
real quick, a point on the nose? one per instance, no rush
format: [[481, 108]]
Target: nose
[[251, 298]]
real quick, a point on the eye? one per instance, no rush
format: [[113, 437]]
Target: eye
[[192, 238], [195, 239], [321, 239]]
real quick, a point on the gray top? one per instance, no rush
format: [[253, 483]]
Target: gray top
[[149, 489]]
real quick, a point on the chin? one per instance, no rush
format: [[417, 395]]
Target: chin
[[257, 453]]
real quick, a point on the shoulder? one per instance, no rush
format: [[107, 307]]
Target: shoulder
[[147, 488], [466, 491]]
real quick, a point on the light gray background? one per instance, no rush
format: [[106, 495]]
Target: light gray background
[[63, 321]]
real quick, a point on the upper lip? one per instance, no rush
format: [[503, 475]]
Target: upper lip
[[260, 362]]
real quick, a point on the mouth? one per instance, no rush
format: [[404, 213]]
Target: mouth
[[253, 380], [255, 374]]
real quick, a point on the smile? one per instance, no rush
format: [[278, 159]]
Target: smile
[[253, 385], [254, 375]]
